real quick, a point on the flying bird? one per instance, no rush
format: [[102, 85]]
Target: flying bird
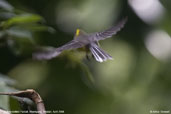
[[83, 39]]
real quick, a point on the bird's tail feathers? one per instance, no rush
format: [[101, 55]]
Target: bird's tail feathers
[[99, 54]]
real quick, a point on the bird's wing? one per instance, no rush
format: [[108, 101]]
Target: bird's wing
[[44, 53], [111, 31], [74, 44]]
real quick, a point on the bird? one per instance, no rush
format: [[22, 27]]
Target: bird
[[83, 39]]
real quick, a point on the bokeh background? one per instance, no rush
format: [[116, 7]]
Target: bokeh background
[[137, 81]]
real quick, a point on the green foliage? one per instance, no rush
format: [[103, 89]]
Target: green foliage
[[4, 5], [5, 84], [21, 19], [18, 28], [4, 104]]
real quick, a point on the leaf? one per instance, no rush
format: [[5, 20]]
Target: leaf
[[20, 46], [2, 34], [19, 32], [36, 27], [7, 80], [22, 19], [41, 28], [6, 15], [166, 4], [5, 5], [4, 100]]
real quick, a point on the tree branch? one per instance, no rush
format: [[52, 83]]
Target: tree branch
[[31, 94]]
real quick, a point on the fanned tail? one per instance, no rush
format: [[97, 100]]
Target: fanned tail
[[99, 54]]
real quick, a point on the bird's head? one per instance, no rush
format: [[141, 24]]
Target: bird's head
[[77, 32]]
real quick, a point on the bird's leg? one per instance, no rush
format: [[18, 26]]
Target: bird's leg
[[87, 56], [97, 43], [92, 55], [87, 52]]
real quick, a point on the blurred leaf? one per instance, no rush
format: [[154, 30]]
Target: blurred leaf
[[5, 5], [4, 100], [20, 40], [34, 27], [19, 32], [166, 4], [22, 19], [6, 15], [2, 33], [7, 80], [14, 104], [166, 25], [21, 46], [41, 28]]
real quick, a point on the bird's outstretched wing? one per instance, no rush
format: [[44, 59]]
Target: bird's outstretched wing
[[111, 31], [45, 53], [73, 44]]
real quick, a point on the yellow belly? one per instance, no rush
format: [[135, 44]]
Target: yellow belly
[[85, 49]]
